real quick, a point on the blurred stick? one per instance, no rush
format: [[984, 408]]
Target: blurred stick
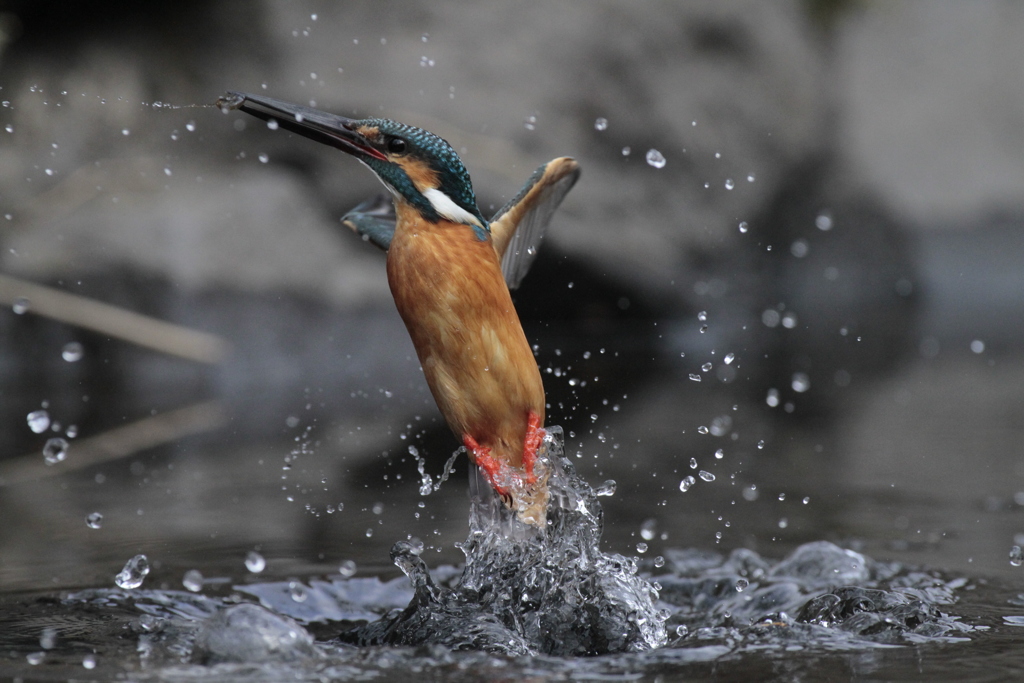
[[119, 442], [115, 322]]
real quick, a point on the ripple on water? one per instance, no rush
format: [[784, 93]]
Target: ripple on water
[[528, 592]]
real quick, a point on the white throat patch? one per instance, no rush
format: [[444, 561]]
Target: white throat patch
[[444, 205]]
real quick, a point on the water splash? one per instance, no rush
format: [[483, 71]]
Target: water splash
[[427, 484], [133, 574], [720, 609], [655, 158], [525, 590]]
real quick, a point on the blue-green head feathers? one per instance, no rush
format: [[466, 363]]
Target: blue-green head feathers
[[425, 170]]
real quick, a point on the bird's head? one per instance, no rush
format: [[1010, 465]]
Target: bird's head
[[418, 167]]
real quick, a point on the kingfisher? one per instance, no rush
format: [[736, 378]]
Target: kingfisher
[[450, 272]]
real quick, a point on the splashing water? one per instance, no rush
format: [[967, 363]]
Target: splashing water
[[427, 484], [55, 450], [528, 591], [134, 572], [38, 421], [655, 158], [255, 562]]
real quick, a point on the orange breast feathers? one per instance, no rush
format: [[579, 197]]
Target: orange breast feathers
[[450, 292]]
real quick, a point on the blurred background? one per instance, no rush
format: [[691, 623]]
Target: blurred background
[[790, 270]]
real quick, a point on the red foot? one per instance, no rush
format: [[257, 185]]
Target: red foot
[[492, 467], [534, 436], [487, 462]]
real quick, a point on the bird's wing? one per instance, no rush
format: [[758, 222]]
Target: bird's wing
[[373, 220], [518, 228]]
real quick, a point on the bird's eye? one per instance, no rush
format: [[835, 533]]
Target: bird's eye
[[396, 145]]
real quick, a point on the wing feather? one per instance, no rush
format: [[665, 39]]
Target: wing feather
[[518, 228], [373, 220]]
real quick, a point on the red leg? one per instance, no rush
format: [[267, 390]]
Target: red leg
[[488, 463], [534, 436]]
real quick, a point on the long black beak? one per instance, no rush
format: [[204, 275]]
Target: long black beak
[[329, 129]]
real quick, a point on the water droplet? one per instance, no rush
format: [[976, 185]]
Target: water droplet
[[978, 346], [799, 248], [425, 37], [750, 177], [38, 421], [55, 450], [167, 170], [823, 222], [94, 520], [686, 483], [783, 523], [133, 574], [719, 454], [607, 488], [150, 623], [659, 561], [772, 399], [35, 658], [427, 62], [750, 493], [48, 171], [706, 476], [9, 128], [782, 496], [347, 568], [801, 382], [193, 580], [1016, 556], [626, 151], [693, 463], [706, 367], [648, 529], [377, 508], [694, 377], [190, 126], [21, 305], [655, 158], [681, 630], [741, 585], [703, 329], [531, 122], [263, 157], [744, 226], [601, 124], [641, 548], [729, 183], [702, 316], [89, 661], [255, 562], [72, 352], [272, 124], [297, 591], [48, 638], [703, 429], [125, 131]]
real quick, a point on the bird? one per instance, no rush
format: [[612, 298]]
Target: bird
[[451, 273]]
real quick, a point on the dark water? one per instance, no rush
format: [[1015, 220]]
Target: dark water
[[527, 604], [913, 479]]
